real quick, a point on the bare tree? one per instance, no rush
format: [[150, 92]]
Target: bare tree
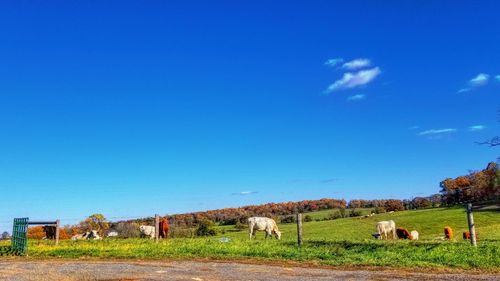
[[494, 141]]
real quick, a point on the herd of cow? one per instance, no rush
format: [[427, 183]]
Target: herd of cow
[[145, 230], [384, 230]]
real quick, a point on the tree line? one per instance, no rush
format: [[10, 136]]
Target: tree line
[[476, 186]]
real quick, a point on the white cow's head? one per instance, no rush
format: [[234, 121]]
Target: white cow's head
[[277, 233]]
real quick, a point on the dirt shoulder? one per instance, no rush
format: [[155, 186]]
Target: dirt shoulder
[[36, 269]]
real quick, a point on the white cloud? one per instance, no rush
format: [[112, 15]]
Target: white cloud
[[351, 80], [480, 80], [356, 64], [356, 97], [477, 128], [437, 131], [464, 90], [334, 62], [245, 193]]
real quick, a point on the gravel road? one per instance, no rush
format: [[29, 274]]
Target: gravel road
[[202, 271]]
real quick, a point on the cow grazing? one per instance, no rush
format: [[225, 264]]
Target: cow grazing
[[82, 236], [466, 235], [263, 224], [448, 233], [89, 235], [147, 231], [50, 231], [93, 235], [402, 233], [164, 227], [414, 235], [386, 227]]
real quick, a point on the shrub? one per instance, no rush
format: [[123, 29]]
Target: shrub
[[379, 210], [308, 218], [288, 219], [206, 228], [335, 215], [355, 213], [240, 226], [342, 213], [181, 232], [127, 230]]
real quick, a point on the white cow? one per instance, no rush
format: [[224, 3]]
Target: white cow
[[414, 235], [386, 227], [147, 230], [264, 224]]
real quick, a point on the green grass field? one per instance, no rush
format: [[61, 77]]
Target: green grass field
[[343, 242]]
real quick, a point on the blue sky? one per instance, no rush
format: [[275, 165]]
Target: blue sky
[[131, 108]]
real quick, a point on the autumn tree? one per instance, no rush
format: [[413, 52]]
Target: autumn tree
[[96, 222], [476, 186], [36, 232]]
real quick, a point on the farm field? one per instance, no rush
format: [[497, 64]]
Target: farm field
[[341, 242]]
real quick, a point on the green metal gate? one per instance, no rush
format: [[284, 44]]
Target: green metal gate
[[20, 236]]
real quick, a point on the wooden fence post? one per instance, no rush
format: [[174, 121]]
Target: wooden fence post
[[58, 225], [472, 228], [157, 227], [299, 229]]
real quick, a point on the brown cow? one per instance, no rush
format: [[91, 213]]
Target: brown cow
[[466, 235], [403, 233], [164, 227], [448, 233], [50, 231]]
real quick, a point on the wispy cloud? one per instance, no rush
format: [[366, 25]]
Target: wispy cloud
[[328, 180], [354, 79], [414, 127], [477, 128], [497, 77], [357, 97], [313, 181], [334, 62], [356, 64], [437, 131], [480, 80], [243, 193]]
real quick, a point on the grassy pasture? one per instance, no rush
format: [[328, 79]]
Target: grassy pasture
[[337, 242]]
